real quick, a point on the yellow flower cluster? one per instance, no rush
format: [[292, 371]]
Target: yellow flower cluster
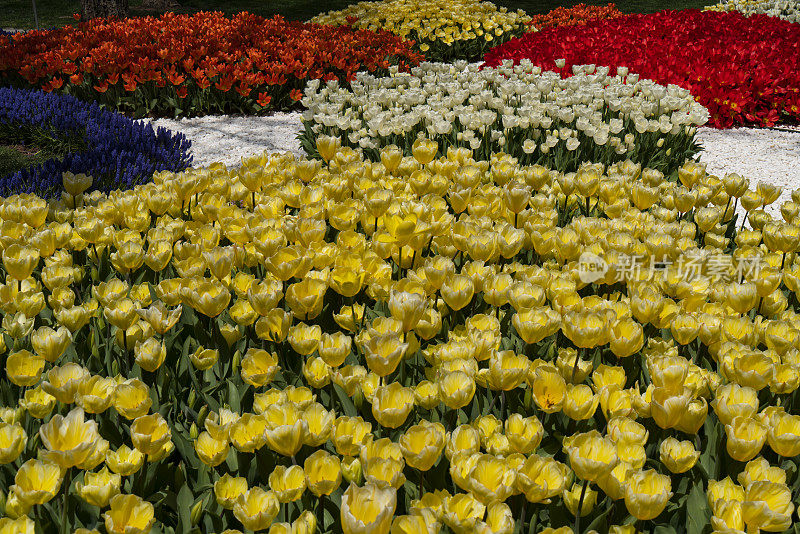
[[462, 344], [783, 9], [443, 30]]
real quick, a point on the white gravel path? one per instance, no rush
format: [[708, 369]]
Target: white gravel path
[[757, 154], [226, 139], [766, 155]]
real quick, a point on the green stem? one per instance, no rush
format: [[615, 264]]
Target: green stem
[[65, 503], [577, 528]]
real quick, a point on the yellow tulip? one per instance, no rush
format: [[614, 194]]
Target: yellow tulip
[[38, 402], [69, 440], [591, 455], [723, 490], [746, 437], [761, 470], [384, 472], [524, 433], [96, 393], [767, 506], [228, 489], [305, 339], [24, 368], [349, 433], [678, 456], [572, 500], [98, 488], [256, 508], [549, 389], [647, 494], [457, 291], [305, 298], [784, 435], [131, 398], [424, 150], [125, 461], [62, 382], [462, 513], [491, 479], [204, 358], [392, 404], [368, 509], [422, 445], [319, 424], [20, 261], [288, 484], [334, 348], [150, 433], [37, 482], [150, 354], [285, 429], [258, 367], [580, 402], [51, 344], [323, 473], [12, 442], [211, 452], [384, 353]]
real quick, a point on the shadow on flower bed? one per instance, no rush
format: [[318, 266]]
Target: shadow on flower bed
[[116, 151]]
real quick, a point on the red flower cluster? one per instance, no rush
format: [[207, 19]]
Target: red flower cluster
[[196, 64], [574, 16], [744, 70]]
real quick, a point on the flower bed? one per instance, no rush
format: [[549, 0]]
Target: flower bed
[[744, 70], [442, 30], [115, 151], [574, 16], [536, 117], [186, 65], [783, 9], [218, 350]]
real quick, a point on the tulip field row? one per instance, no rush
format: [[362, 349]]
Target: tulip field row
[[497, 300], [348, 346], [743, 68]]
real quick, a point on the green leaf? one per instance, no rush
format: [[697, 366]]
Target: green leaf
[[185, 503], [347, 404], [697, 513], [233, 397], [709, 461]]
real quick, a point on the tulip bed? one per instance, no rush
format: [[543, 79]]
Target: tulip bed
[[420, 344], [536, 117], [115, 151], [578, 15], [443, 31], [745, 70], [182, 65], [783, 9]]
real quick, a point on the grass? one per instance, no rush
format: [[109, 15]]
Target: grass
[[19, 14], [17, 157]]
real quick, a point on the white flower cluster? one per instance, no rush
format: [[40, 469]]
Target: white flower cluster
[[536, 116], [783, 9]]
